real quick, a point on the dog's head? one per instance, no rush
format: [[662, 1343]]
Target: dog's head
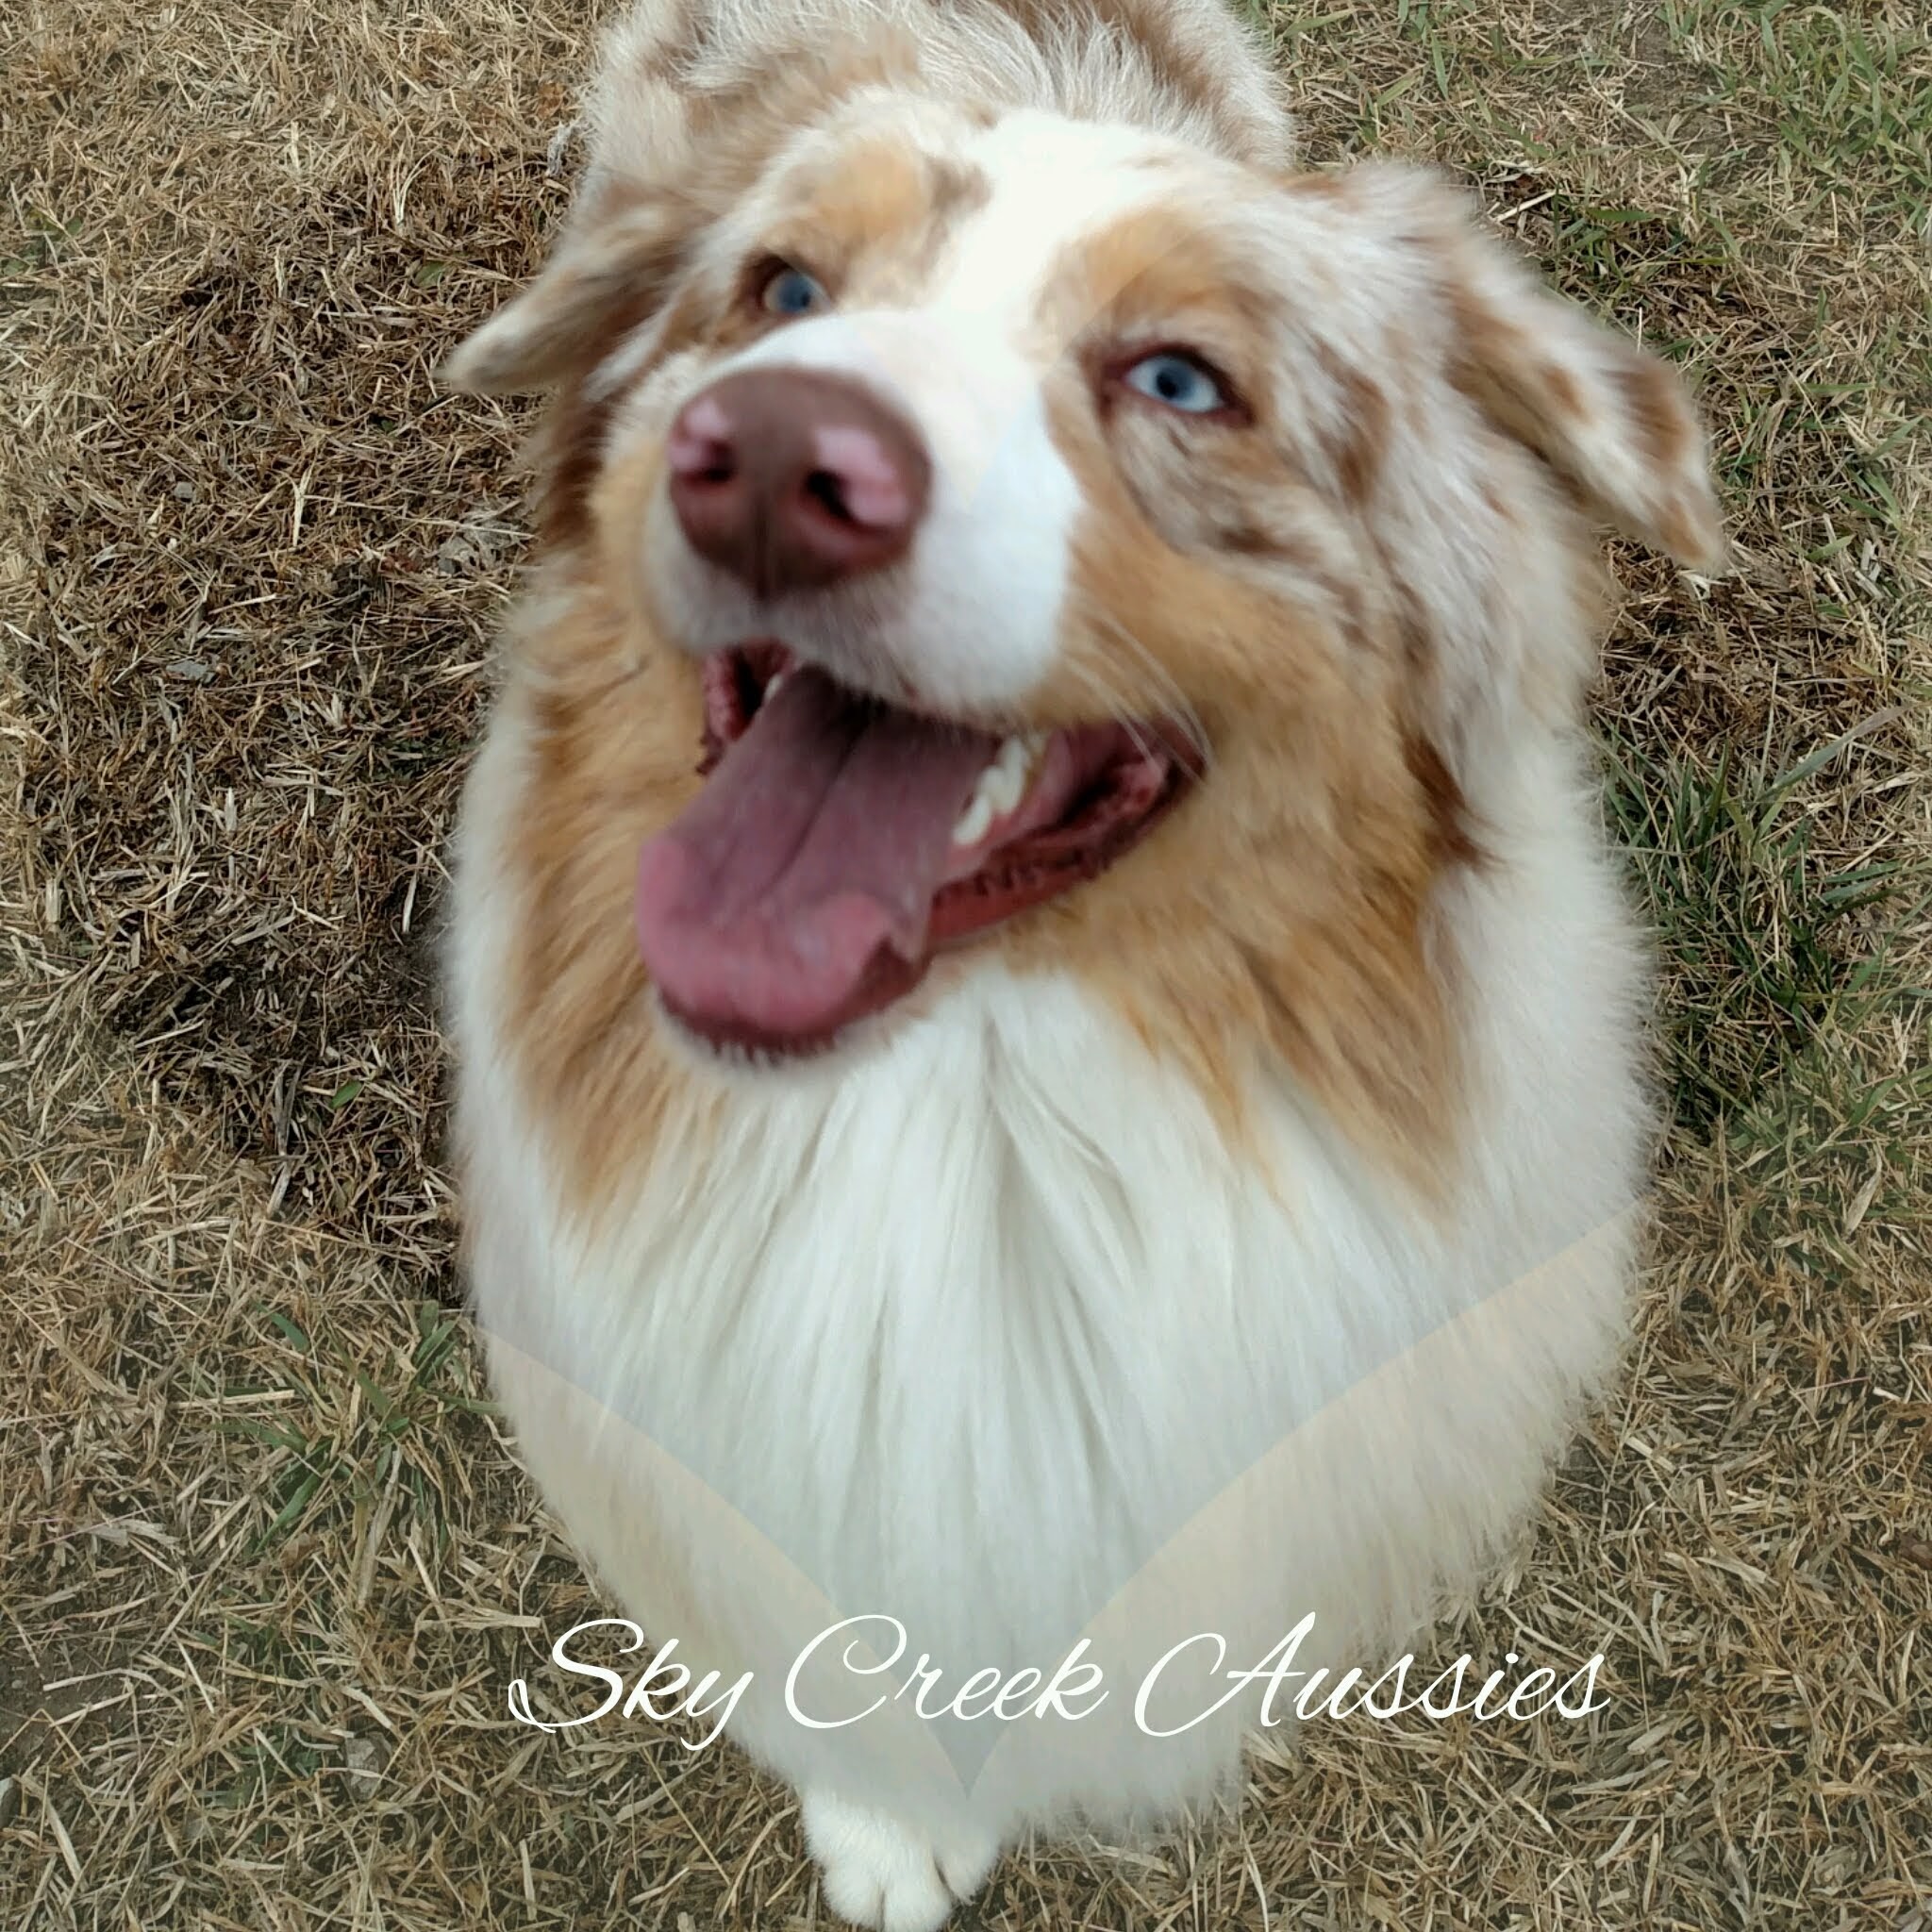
[[1083, 545]]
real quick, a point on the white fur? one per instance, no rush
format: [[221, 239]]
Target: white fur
[[877, 1872], [992, 1331]]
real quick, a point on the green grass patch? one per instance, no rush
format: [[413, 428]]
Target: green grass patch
[[1763, 947]]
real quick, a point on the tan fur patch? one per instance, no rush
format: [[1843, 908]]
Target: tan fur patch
[[1652, 403], [867, 197], [612, 743], [1360, 445], [566, 451], [1288, 897], [874, 223], [1161, 274]]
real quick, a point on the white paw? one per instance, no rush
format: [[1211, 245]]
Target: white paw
[[882, 1874]]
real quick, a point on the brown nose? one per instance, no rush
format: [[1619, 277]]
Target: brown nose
[[793, 479]]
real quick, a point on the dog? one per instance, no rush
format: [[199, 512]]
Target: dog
[[1047, 1044]]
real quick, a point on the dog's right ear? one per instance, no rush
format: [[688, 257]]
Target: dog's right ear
[[606, 277]]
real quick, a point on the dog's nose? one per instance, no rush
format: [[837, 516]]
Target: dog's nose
[[795, 478]]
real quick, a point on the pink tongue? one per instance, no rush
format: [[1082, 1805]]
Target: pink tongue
[[793, 894]]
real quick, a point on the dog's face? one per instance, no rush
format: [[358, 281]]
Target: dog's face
[[1076, 546]]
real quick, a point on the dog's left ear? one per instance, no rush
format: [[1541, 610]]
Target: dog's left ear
[[611, 274], [1616, 422]]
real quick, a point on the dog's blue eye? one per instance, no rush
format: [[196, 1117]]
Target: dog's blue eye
[[792, 291], [1178, 381]]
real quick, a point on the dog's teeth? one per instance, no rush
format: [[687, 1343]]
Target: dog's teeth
[[772, 689], [974, 820], [1003, 782], [1000, 787]]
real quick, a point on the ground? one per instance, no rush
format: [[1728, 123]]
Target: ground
[[266, 1560]]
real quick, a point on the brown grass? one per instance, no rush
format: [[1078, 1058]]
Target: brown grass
[[266, 1563]]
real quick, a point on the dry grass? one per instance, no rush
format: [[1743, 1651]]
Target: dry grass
[[268, 1563]]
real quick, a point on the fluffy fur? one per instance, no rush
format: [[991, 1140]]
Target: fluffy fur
[[1232, 1237]]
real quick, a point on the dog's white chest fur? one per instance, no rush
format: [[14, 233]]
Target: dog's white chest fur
[[993, 1331]]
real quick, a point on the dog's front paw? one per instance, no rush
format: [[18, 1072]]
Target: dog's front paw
[[882, 1874]]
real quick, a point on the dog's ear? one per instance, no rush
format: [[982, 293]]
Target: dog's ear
[[1614, 421], [610, 276]]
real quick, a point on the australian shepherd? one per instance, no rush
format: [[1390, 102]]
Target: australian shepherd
[[1048, 1047]]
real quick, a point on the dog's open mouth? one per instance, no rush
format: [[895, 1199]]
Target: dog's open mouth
[[840, 842]]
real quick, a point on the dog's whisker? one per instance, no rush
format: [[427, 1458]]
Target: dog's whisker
[[1113, 707], [1174, 699]]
